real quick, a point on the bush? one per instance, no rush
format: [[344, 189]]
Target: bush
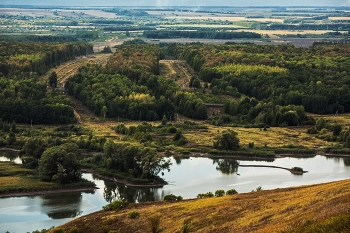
[[58, 230], [155, 224], [298, 169], [219, 193], [172, 197], [231, 192], [133, 214], [73, 230], [116, 205], [205, 195]]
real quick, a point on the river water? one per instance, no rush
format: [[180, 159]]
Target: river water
[[187, 178]]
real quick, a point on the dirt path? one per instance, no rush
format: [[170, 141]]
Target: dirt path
[[177, 70]]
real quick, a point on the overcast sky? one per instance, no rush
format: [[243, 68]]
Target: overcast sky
[[179, 2]]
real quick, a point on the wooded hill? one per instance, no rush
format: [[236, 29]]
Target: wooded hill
[[23, 98]]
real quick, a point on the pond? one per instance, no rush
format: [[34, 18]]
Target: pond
[[187, 178]]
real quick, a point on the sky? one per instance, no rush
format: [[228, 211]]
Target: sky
[[179, 2]]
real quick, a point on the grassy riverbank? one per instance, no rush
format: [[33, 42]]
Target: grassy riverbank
[[15, 180], [300, 209]]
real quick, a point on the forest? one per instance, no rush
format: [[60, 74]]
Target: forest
[[23, 98], [129, 87], [272, 81]]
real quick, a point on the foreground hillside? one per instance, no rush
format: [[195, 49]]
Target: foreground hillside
[[316, 208]]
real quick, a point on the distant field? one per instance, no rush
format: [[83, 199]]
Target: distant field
[[226, 18], [63, 13], [339, 18], [203, 26], [288, 32]]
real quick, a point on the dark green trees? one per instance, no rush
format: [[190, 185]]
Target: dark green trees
[[227, 140], [136, 161], [59, 164]]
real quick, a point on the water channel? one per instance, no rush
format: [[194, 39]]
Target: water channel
[[187, 178]]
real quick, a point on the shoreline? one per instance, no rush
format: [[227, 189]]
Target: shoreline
[[125, 182], [43, 192]]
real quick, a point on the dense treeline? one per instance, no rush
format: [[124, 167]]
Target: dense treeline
[[128, 87], [332, 26], [315, 78], [161, 34], [22, 57], [127, 28], [38, 38], [26, 101], [23, 98]]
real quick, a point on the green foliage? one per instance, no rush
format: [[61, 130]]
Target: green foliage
[[179, 139], [258, 189], [214, 34], [186, 228], [219, 193], [205, 195], [154, 223], [133, 214], [116, 205], [172, 197], [59, 164], [275, 75], [52, 81], [136, 161], [227, 140], [297, 169], [231, 192], [73, 229], [58, 230]]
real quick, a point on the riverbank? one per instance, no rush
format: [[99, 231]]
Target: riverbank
[[44, 192]]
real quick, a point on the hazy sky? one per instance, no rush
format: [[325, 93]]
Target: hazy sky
[[179, 2]]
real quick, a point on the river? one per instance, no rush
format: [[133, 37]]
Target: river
[[187, 178]]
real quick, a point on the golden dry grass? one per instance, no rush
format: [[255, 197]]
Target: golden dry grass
[[263, 211]]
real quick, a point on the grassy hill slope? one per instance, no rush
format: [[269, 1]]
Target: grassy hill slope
[[300, 209]]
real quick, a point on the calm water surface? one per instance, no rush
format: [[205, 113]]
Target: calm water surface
[[187, 178]]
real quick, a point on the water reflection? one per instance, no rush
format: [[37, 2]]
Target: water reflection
[[226, 166], [347, 161], [179, 158], [115, 191], [10, 156], [64, 205]]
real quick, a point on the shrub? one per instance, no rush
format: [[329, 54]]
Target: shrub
[[219, 193], [231, 192], [155, 224], [116, 205], [205, 195], [58, 230], [133, 214], [73, 230], [298, 169], [186, 227], [171, 130], [172, 197]]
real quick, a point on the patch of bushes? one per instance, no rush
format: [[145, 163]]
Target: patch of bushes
[[172, 197], [133, 214], [205, 195], [219, 193], [116, 205], [231, 192]]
